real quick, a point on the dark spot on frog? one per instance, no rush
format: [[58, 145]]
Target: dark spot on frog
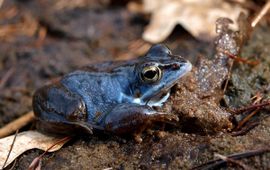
[[97, 116], [137, 94]]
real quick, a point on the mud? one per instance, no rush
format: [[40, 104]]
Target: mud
[[98, 31]]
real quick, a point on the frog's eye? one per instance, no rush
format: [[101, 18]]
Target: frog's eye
[[151, 74]]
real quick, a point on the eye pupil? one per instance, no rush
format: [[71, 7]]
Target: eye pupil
[[150, 74]]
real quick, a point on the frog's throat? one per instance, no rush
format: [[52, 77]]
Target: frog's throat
[[153, 101], [159, 103]]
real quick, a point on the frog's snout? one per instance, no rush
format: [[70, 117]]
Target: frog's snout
[[188, 66], [178, 66], [183, 66]]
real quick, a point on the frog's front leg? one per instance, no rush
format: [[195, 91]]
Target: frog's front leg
[[59, 111], [133, 118]]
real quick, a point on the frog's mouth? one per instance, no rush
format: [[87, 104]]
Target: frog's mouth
[[156, 100], [159, 99]]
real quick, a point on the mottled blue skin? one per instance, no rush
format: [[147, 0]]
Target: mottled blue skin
[[109, 96]]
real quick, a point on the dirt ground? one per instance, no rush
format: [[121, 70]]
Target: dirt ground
[[42, 40]]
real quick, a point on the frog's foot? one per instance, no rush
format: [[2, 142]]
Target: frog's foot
[[158, 117], [133, 118], [160, 133]]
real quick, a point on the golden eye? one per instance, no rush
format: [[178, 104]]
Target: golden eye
[[151, 74]]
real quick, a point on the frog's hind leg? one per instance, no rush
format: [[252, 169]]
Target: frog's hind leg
[[59, 111], [133, 118]]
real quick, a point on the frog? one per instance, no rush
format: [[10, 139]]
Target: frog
[[118, 97]]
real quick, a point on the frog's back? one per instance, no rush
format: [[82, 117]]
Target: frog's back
[[100, 91], [78, 97]]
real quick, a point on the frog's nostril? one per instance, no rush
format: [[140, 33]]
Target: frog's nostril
[[182, 64], [176, 66]]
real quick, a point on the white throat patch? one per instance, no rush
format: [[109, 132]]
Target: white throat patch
[[152, 103]]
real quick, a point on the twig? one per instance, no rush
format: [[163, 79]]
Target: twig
[[239, 59], [230, 160], [16, 124], [6, 77], [245, 129], [251, 107], [256, 99], [264, 10], [242, 122], [219, 162], [11, 147], [37, 161], [228, 77], [13, 165]]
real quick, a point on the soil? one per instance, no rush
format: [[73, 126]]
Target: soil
[[47, 39]]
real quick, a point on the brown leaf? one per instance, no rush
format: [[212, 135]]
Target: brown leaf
[[26, 141], [197, 17]]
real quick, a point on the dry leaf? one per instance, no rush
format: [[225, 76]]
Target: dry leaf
[[196, 16], [26, 141]]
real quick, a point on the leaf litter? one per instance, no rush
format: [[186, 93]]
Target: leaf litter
[[196, 17], [25, 141]]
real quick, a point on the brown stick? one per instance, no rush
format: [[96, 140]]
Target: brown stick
[[244, 130], [218, 162], [6, 77], [36, 163], [228, 76], [251, 107], [11, 147], [235, 162], [16, 124], [247, 118], [264, 10], [239, 59]]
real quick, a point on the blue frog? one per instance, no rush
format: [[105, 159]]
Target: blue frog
[[116, 97]]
